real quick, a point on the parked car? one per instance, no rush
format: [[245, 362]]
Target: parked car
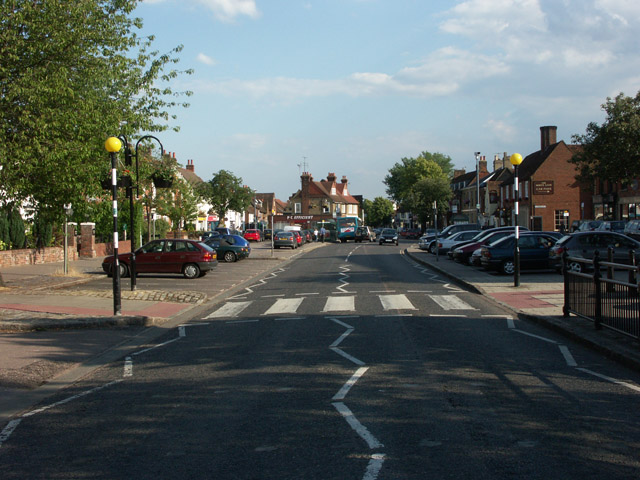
[[267, 234], [253, 234], [307, 236], [190, 257], [450, 230], [226, 231], [299, 238], [388, 235], [411, 233], [589, 225], [584, 245], [205, 235], [463, 252], [612, 226], [456, 239], [427, 238], [230, 248], [285, 239], [632, 229], [365, 234], [534, 252]]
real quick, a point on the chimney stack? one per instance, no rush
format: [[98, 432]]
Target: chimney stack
[[190, 166], [547, 136], [482, 164]]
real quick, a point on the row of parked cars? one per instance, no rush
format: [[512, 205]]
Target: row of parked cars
[[191, 258], [493, 249]]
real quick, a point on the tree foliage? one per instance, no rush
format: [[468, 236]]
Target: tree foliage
[[379, 212], [72, 74], [414, 183], [226, 192], [611, 151]]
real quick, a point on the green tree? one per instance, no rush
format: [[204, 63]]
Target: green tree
[[611, 151], [380, 212], [72, 74], [179, 203], [405, 182], [17, 235], [226, 192]]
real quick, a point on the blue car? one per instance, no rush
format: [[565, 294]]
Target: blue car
[[534, 252]]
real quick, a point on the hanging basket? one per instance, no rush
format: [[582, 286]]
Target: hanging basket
[[159, 182], [124, 181]]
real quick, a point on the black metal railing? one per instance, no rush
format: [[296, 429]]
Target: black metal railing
[[612, 300]]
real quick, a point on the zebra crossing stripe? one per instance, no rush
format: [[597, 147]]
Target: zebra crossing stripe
[[284, 305], [450, 302], [340, 304], [230, 309], [396, 302]]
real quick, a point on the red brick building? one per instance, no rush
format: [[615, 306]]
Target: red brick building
[[550, 196]]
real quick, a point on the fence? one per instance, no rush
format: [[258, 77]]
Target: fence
[[611, 301]]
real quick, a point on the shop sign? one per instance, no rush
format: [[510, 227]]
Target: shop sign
[[299, 217], [543, 187]]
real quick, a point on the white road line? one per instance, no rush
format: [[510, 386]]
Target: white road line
[[609, 379], [341, 338], [360, 429], [418, 291], [304, 294], [229, 309], [345, 325], [393, 315], [69, 399], [194, 324], [154, 347], [451, 302], [288, 319], [382, 291], [567, 356], [498, 316], [242, 321], [128, 367], [284, 305], [448, 315], [375, 464], [544, 339], [181, 331], [510, 323], [8, 430], [340, 304], [347, 356], [396, 302], [350, 383], [273, 296]]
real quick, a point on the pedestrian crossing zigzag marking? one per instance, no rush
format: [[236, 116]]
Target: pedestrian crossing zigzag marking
[[343, 280], [262, 281]]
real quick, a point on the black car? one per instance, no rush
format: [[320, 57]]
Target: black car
[[534, 252], [584, 245], [388, 235]]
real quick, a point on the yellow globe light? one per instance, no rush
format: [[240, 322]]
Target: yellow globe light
[[113, 144], [515, 159]]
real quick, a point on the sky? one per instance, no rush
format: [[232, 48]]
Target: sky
[[353, 86]]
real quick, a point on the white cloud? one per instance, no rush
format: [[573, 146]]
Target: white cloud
[[442, 73], [228, 10], [207, 60]]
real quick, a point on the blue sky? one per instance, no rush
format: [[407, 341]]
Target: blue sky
[[353, 86]]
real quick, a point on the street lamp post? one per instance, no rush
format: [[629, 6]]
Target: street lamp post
[[113, 145], [477, 154], [128, 156], [516, 159]]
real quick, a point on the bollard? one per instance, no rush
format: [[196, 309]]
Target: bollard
[[598, 290], [567, 306]]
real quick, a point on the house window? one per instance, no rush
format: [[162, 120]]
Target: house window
[[325, 208], [526, 189], [562, 220], [297, 208]]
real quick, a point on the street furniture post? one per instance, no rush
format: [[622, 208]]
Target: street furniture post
[[113, 145]]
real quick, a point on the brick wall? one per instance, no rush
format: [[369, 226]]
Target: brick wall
[[33, 256]]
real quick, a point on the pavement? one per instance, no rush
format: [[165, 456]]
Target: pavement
[[52, 335]]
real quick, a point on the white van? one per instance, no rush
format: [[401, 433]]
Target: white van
[[292, 228]]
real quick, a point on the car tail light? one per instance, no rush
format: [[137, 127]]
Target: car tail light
[[208, 257]]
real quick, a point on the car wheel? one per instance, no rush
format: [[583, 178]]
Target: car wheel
[[396, 243], [191, 270], [432, 249], [508, 267], [229, 257], [124, 270], [276, 246], [575, 267]]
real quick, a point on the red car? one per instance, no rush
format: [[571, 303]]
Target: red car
[[253, 234], [191, 258], [298, 237]]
